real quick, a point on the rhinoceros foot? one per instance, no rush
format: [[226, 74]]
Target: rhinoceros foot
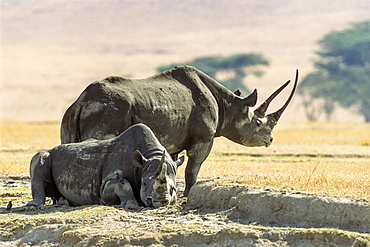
[[35, 203], [129, 204], [62, 202]]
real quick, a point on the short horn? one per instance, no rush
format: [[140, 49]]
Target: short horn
[[162, 175], [278, 113], [261, 110], [160, 167]]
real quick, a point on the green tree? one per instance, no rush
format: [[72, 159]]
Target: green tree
[[236, 68], [342, 72]]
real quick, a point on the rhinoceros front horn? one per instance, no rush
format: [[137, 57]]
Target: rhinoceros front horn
[[276, 115], [261, 110]]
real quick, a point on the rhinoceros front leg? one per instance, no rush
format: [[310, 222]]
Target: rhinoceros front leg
[[197, 154], [114, 187], [126, 195], [40, 171]]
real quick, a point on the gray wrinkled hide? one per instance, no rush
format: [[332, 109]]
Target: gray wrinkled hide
[[77, 171], [184, 107]]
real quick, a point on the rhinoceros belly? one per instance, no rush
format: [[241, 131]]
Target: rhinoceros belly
[[79, 187]]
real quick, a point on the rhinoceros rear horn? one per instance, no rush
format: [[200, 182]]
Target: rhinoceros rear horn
[[276, 115], [261, 110], [161, 165], [162, 177], [161, 173]]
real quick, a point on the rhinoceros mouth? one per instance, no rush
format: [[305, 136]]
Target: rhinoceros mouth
[[149, 202], [158, 203], [267, 144], [161, 199]]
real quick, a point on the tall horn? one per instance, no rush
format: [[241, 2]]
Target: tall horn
[[261, 110], [278, 113]]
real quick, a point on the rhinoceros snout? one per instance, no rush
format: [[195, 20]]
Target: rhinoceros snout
[[150, 201], [157, 202], [269, 142]]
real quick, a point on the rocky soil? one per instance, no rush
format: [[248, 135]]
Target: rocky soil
[[213, 215]]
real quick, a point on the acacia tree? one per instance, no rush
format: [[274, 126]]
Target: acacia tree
[[236, 66], [342, 72]]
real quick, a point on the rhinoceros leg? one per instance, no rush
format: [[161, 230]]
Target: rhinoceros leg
[[40, 170], [197, 154], [126, 195], [115, 190]]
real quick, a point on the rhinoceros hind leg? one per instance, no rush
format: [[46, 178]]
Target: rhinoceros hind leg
[[40, 174]]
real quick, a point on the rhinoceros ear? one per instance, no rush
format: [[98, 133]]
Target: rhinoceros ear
[[180, 161], [237, 92], [251, 99], [138, 159]]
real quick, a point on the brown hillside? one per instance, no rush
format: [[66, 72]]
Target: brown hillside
[[51, 50]]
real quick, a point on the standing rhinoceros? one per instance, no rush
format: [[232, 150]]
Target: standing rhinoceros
[[93, 172], [185, 108]]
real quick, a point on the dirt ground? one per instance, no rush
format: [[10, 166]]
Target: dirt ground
[[213, 215]]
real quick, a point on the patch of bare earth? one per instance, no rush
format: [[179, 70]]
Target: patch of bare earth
[[213, 215]]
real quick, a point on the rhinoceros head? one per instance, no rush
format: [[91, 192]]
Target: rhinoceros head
[[255, 128], [158, 179]]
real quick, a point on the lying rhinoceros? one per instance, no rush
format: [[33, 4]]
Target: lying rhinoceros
[[93, 171]]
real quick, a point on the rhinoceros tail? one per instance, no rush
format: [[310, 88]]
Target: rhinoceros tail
[[70, 127]]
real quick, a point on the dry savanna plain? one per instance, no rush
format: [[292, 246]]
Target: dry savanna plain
[[327, 158], [311, 187], [324, 163]]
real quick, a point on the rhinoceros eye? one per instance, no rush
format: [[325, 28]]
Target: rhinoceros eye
[[258, 122], [145, 186]]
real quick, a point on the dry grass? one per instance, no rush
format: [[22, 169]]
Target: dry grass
[[21, 140], [323, 158], [328, 158]]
